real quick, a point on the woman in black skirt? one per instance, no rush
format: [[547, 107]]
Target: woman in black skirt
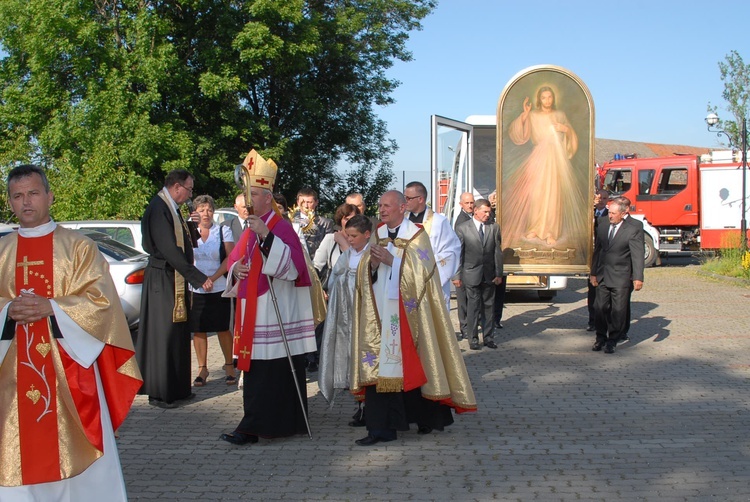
[[210, 312]]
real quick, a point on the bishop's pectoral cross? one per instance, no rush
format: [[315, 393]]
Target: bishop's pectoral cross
[[26, 264]]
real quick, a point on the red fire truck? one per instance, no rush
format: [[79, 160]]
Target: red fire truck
[[686, 202]]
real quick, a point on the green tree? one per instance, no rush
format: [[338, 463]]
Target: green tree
[[110, 95], [736, 77], [371, 184]]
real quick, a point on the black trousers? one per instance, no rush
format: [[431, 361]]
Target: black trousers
[[480, 305], [590, 303], [461, 304], [612, 309], [499, 302], [388, 412]]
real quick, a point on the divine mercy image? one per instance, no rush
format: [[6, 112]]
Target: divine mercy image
[[545, 174]]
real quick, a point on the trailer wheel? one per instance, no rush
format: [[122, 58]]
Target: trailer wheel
[[651, 255]]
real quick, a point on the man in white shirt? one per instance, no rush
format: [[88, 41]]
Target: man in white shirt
[[239, 224]]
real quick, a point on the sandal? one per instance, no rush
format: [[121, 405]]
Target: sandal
[[199, 380], [230, 379]]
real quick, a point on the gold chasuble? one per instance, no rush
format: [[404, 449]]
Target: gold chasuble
[[51, 426], [425, 342]]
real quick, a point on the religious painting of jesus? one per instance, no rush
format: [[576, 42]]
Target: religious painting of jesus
[[545, 172]]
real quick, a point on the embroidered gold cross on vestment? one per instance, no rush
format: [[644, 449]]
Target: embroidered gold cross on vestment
[[26, 264]]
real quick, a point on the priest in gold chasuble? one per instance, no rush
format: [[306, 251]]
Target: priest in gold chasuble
[[67, 367], [405, 357]]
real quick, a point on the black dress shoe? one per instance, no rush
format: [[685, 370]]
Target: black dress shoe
[[498, 326], [239, 438], [597, 346], [609, 348], [475, 346], [162, 404], [490, 344], [357, 423], [459, 336], [371, 440], [590, 327], [423, 429]]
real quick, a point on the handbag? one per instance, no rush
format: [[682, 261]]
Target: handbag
[[325, 273], [222, 249], [227, 293]]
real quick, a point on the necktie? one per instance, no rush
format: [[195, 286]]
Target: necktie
[[612, 232], [245, 224], [481, 232]]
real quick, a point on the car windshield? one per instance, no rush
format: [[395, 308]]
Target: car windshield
[[112, 248]]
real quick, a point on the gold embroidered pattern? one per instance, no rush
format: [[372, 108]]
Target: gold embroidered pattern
[[33, 394], [26, 264], [43, 348]]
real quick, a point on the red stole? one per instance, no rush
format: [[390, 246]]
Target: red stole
[[244, 328], [37, 380], [414, 375], [36, 383]]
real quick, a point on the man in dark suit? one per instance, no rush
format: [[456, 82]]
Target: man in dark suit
[[624, 338], [239, 224], [305, 210], [480, 269], [497, 315], [467, 210], [601, 198], [616, 270]]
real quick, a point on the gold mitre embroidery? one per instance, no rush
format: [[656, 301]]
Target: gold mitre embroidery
[[261, 173]]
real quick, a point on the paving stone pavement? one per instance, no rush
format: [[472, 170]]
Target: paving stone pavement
[[665, 418]]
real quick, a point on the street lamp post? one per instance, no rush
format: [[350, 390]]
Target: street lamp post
[[712, 119]]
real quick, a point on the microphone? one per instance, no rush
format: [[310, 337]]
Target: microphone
[[192, 226]]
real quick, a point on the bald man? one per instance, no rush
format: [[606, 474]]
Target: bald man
[[466, 202], [239, 224]]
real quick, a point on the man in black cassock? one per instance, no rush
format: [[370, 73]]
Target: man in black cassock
[[163, 343]]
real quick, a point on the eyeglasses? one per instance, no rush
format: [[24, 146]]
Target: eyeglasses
[[186, 188], [409, 199]]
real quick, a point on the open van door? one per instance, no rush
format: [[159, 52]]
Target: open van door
[[451, 164]]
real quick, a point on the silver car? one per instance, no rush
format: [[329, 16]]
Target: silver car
[[126, 266], [125, 231], [224, 215]]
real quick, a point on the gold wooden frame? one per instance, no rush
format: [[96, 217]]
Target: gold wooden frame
[[567, 251]]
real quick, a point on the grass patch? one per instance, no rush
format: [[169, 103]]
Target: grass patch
[[731, 262]]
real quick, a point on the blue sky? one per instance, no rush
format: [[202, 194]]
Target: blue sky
[[651, 66]]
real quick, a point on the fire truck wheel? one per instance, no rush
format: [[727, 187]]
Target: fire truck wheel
[[651, 255]]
